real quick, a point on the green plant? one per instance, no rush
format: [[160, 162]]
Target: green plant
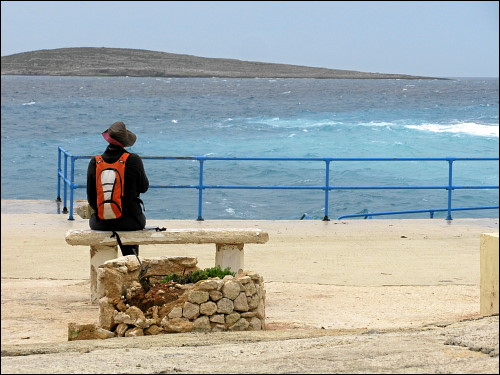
[[198, 275]]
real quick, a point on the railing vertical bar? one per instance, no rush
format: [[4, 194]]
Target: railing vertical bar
[[65, 207], [200, 192], [450, 186], [59, 171], [327, 188], [72, 190]]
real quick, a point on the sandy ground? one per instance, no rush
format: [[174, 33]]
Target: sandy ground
[[351, 296]]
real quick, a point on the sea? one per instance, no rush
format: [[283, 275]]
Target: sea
[[284, 119]]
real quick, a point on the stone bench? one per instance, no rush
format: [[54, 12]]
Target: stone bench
[[229, 244]]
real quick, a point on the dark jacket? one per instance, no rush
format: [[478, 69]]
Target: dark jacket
[[136, 183]]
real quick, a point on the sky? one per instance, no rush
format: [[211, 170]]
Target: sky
[[427, 38]]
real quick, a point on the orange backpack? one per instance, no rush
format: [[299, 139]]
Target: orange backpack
[[110, 184]]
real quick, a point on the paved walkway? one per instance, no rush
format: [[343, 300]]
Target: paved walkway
[[378, 296]]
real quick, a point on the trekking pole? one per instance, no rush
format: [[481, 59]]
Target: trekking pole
[[142, 272]]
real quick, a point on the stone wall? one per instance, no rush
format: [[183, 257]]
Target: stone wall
[[234, 303]]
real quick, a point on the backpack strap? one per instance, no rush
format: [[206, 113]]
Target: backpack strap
[[144, 269], [118, 239], [124, 157]]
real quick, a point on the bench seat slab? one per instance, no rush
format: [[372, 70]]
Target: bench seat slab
[[169, 236]]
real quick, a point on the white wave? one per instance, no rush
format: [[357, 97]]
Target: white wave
[[470, 128], [174, 121], [376, 123], [30, 103], [300, 123]]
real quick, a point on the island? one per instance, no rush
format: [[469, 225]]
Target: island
[[102, 61]]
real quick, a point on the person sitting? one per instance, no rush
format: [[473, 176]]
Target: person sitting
[[114, 171]]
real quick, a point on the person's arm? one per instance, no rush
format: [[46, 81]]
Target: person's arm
[[136, 180], [143, 182], [91, 185]]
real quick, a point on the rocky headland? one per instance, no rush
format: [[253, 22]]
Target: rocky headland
[[94, 61]]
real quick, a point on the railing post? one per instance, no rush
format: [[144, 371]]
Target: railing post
[[450, 186], [200, 192], [327, 188], [65, 208], [59, 171], [72, 188]]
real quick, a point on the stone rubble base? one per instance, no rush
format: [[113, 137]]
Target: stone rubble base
[[234, 303]]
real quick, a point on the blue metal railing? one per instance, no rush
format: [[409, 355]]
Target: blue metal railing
[[68, 181]]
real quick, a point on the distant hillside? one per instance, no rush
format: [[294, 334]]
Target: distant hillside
[[92, 61]]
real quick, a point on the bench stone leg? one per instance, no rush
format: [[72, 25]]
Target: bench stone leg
[[99, 255], [231, 256]]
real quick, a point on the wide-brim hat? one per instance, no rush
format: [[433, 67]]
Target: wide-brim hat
[[117, 134]]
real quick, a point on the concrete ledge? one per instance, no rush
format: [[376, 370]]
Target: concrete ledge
[[489, 274]]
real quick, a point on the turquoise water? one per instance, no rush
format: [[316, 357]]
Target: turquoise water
[[260, 118]]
